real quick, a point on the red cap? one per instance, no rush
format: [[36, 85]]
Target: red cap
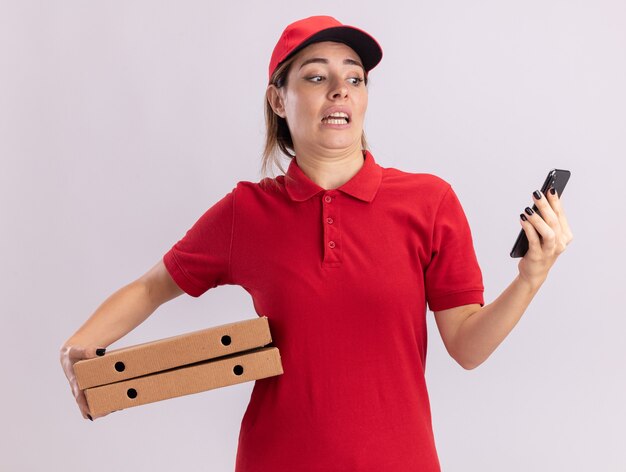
[[315, 29]]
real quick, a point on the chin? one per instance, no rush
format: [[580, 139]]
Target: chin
[[339, 143]]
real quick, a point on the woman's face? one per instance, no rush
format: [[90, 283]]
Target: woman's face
[[325, 78]]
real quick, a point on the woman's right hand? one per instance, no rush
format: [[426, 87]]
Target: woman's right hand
[[115, 317], [69, 356]]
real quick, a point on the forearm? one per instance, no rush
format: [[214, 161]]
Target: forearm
[[119, 314], [483, 331]]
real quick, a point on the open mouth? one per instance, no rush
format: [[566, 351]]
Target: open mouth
[[339, 118]]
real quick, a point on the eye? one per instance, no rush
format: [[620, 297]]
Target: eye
[[315, 78], [356, 80]]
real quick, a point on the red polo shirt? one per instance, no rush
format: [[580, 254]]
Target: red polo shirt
[[344, 276]]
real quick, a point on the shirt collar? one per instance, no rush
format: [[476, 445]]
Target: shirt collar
[[363, 185]]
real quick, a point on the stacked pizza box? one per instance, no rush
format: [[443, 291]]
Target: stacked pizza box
[[181, 365]]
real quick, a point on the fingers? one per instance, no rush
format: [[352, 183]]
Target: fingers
[[81, 400], [543, 236], [546, 211], [547, 228], [534, 241], [69, 356], [557, 207], [77, 353]]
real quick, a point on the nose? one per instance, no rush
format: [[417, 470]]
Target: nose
[[338, 89]]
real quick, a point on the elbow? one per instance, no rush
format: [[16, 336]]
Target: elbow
[[467, 362], [468, 356], [469, 365]]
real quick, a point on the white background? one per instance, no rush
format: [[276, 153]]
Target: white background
[[121, 122]]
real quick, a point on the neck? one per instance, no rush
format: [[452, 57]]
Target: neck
[[331, 170]]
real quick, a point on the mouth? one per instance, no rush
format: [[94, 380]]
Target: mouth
[[337, 118]]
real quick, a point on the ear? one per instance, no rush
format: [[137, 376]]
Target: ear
[[275, 99]]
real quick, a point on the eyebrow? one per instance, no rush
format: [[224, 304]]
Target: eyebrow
[[321, 60]]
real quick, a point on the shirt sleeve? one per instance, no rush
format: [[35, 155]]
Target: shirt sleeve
[[453, 277], [201, 259]]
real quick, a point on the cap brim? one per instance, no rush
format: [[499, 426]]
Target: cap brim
[[363, 44]]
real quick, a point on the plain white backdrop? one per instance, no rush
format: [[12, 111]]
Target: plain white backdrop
[[122, 122]]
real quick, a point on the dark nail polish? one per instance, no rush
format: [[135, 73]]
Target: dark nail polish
[[529, 211], [90, 418], [523, 216], [100, 351], [553, 191], [537, 194]]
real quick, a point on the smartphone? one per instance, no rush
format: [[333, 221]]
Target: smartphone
[[556, 178]]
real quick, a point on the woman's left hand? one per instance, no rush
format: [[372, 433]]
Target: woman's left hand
[[548, 235]]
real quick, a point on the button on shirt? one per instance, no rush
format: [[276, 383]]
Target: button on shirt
[[344, 276]]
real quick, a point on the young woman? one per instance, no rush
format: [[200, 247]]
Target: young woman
[[343, 256]]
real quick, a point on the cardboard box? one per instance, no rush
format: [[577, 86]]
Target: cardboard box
[[256, 364], [156, 356]]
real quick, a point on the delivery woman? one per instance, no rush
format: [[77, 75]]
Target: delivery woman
[[343, 256]]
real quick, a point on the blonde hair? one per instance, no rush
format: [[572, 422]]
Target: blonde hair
[[278, 139]]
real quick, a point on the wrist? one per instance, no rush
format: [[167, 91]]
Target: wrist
[[532, 284]]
